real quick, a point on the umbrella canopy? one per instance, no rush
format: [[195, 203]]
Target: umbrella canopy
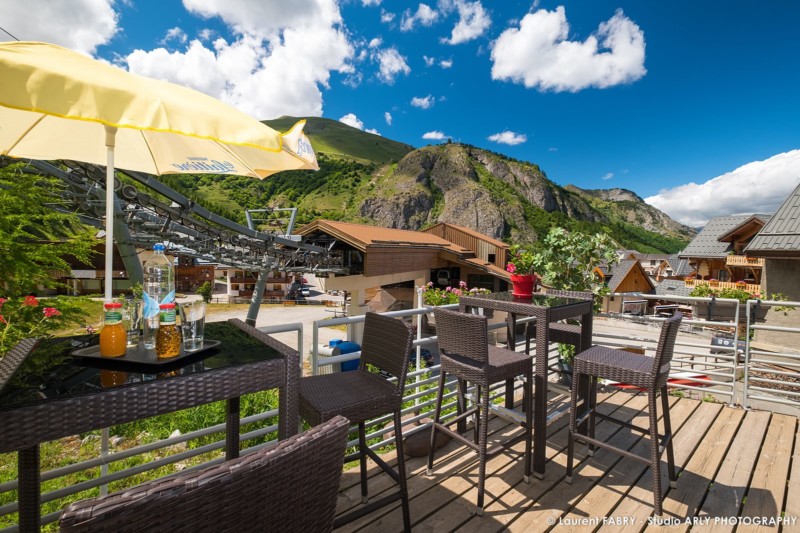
[[59, 104], [382, 301]]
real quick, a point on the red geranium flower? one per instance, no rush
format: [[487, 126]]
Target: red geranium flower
[[31, 301], [51, 311]]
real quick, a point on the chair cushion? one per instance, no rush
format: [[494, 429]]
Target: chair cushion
[[618, 365], [503, 364], [359, 395]]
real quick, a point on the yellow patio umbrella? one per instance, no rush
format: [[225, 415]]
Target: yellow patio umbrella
[[56, 103]]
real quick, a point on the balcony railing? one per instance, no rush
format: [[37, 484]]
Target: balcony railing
[[749, 287], [744, 261]]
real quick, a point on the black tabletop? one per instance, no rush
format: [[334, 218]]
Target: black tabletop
[[51, 372]]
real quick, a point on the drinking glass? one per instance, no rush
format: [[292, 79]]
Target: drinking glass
[[132, 321], [193, 318]]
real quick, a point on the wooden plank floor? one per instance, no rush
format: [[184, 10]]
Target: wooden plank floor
[[735, 467]]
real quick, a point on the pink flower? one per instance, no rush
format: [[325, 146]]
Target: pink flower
[[457, 292], [2, 301], [511, 268], [462, 284], [31, 301], [50, 312]]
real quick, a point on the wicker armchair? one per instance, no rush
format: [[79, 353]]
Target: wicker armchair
[[466, 353], [272, 489], [362, 395], [649, 374], [559, 332]]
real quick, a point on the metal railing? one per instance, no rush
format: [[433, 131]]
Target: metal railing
[[771, 376]]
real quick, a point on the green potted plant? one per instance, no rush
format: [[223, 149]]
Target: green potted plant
[[568, 260]]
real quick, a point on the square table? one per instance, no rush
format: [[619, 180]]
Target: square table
[[547, 309], [46, 393]]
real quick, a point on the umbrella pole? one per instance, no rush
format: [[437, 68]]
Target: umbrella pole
[[111, 133]]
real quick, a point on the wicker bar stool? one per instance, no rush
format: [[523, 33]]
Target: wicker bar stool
[[271, 489], [559, 332], [646, 373], [466, 353], [362, 395]]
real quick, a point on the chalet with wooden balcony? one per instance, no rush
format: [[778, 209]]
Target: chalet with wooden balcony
[[242, 284], [717, 254]]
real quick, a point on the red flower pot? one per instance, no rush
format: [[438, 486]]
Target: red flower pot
[[523, 285]]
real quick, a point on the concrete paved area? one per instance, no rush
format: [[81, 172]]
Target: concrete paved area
[[270, 315]]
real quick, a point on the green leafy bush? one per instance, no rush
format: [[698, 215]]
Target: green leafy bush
[[206, 290]]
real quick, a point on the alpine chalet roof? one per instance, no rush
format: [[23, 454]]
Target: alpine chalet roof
[[362, 236], [680, 267], [621, 271], [673, 287], [707, 244], [780, 237], [467, 231]]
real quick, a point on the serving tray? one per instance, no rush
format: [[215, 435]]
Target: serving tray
[[141, 355]]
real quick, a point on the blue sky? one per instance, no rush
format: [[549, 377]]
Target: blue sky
[[692, 105]]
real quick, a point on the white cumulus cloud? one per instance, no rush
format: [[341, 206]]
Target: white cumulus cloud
[[352, 120], [373, 131], [81, 25], [367, 3], [424, 16], [391, 64], [429, 61], [388, 117], [508, 137], [607, 176], [757, 187], [434, 136], [387, 16], [206, 34], [473, 21], [423, 102], [278, 63], [446, 63], [174, 34], [539, 54]]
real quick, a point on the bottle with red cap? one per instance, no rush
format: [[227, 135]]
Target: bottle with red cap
[[168, 338], [113, 337]]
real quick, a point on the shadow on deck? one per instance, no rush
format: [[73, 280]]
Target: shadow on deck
[[734, 466]]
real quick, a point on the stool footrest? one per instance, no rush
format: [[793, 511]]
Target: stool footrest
[[367, 509], [604, 445]]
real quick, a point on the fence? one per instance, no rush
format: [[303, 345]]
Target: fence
[[752, 376]]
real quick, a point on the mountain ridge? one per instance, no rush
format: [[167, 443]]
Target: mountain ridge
[[369, 179]]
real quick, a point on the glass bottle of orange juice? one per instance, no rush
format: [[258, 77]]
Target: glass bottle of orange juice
[[113, 336]]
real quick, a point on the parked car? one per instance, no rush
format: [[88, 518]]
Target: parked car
[[305, 290]]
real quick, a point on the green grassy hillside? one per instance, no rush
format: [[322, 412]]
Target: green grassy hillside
[[360, 180], [336, 139]]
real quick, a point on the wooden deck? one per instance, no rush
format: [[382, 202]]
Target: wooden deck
[[733, 465]]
